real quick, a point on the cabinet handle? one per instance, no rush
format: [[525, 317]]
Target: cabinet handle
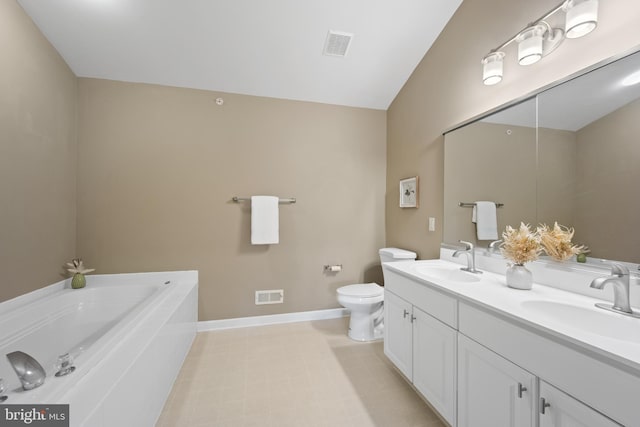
[[544, 405], [413, 318], [405, 314], [521, 389]]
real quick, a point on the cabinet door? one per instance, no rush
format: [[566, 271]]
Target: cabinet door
[[491, 390], [434, 363], [562, 410], [398, 332]]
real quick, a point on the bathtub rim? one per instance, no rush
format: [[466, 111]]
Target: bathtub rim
[[56, 388]]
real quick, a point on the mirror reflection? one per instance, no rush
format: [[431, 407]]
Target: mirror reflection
[[574, 158], [493, 159], [598, 118]]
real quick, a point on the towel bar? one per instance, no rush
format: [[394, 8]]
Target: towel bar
[[470, 205], [247, 199]]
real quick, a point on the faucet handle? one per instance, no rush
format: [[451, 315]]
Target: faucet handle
[[619, 269], [492, 245], [468, 245]]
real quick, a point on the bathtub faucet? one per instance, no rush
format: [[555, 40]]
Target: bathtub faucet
[[29, 371]]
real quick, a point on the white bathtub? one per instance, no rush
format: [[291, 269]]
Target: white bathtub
[[128, 335]]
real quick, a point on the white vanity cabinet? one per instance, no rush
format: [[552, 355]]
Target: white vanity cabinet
[[434, 363], [422, 347], [398, 333], [481, 366], [491, 390], [603, 387], [558, 409]]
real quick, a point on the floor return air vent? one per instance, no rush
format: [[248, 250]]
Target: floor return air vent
[[273, 296]]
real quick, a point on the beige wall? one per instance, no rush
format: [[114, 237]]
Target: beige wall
[[607, 202], [159, 165], [37, 156], [446, 88]]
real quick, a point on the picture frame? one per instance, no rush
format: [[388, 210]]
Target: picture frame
[[409, 192]]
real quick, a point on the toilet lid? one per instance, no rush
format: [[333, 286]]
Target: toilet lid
[[363, 290]]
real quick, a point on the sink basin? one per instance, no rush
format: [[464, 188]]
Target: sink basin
[[592, 320], [452, 274]]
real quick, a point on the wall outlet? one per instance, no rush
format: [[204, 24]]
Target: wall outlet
[[432, 224]]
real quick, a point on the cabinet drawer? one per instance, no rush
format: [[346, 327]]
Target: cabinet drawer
[[609, 389], [427, 299]]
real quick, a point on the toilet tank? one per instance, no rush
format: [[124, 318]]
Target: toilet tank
[[395, 254]]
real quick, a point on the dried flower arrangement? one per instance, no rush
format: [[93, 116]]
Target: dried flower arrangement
[[520, 245], [76, 266], [557, 243]]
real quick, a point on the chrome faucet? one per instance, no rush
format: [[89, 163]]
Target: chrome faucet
[[494, 246], [29, 371], [471, 257], [619, 279]]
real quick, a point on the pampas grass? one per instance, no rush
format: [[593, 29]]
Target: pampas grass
[[520, 245], [556, 242]]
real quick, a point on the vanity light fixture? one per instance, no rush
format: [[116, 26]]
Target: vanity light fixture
[[539, 38]]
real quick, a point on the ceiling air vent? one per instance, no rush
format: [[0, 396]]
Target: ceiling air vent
[[337, 43]]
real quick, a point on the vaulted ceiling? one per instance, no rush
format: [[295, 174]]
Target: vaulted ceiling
[[255, 47]]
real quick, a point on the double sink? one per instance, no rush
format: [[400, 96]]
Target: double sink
[[571, 315]]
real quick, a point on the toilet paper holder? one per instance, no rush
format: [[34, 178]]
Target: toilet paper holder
[[333, 268]]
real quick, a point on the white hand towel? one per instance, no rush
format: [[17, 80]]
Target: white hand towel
[[264, 220], [486, 219]]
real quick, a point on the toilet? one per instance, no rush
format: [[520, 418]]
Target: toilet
[[365, 301]]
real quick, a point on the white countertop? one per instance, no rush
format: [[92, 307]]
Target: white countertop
[[565, 315]]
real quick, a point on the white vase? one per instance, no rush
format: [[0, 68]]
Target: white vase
[[518, 277]]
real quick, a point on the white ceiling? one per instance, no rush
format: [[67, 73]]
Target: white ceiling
[[254, 47]]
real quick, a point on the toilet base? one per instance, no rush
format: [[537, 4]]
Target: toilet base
[[366, 337], [366, 326]]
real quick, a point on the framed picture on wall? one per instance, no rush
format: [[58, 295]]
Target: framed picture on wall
[[409, 192]]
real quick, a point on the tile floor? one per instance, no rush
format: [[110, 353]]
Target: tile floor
[[297, 374]]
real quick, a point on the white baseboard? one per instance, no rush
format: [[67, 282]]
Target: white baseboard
[[273, 319]]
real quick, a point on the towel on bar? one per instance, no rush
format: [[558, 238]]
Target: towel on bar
[[486, 219], [264, 220]]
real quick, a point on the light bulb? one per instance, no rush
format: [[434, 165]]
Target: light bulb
[[530, 44], [581, 17], [492, 68]]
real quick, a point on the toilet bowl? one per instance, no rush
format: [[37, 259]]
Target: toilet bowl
[[365, 301]]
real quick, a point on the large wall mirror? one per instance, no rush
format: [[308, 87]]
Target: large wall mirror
[[570, 154]]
